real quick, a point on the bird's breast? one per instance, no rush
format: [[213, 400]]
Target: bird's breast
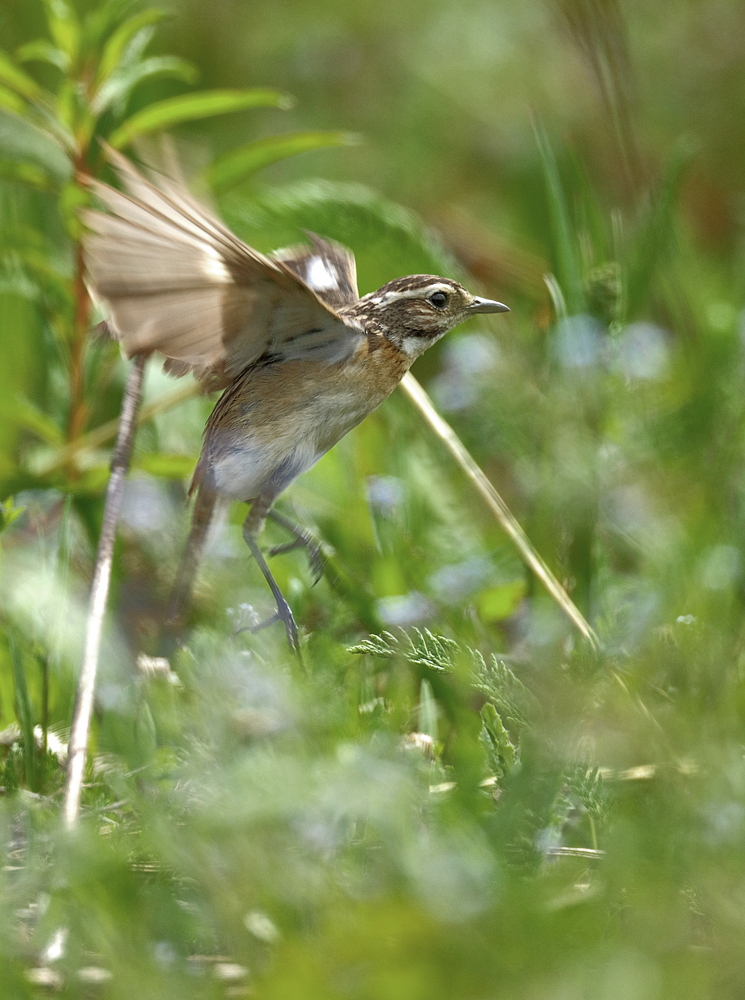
[[277, 420]]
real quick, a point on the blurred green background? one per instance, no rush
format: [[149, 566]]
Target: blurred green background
[[451, 796]]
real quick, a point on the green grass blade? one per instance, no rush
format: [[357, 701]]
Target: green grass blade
[[25, 711], [191, 107], [655, 231], [567, 260]]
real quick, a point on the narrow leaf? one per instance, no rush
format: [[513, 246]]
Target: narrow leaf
[[655, 231], [119, 86], [25, 414], [568, 266], [12, 102], [99, 24], [236, 166], [42, 50], [37, 137], [64, 27], [17, 80], [25, 712], [191, 107], [118, 42]]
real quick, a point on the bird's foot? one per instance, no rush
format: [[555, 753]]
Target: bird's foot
[[283, 614]]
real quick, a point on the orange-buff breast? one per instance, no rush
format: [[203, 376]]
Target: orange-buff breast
[[277, 420]]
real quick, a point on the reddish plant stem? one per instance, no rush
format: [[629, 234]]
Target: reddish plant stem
[[78, 411]]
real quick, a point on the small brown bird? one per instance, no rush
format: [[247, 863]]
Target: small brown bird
[[302, 359]]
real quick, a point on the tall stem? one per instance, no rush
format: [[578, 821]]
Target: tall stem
[[78, 412], [81, 716], [496, 504]]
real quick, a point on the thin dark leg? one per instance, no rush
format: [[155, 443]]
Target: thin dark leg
[[251, 528], [303, 539]]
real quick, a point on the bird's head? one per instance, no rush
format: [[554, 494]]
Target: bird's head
[[415, 312]]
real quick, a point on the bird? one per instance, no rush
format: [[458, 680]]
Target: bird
[[299, 356]]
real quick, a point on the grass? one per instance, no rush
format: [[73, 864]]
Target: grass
[[452, 794]]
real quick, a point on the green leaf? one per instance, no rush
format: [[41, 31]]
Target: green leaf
[[9, 513], [234, 167], [191, 107], [17, 80], [63, 27], [99, 24], [506, 751], [25, 414], [47, 121], [22, 141], [118, 42], [167, 466], [42, 50], [387, 239], [427, 711], [26, 245], [12, 102], [420, 647], [119, 86], [567, 259]]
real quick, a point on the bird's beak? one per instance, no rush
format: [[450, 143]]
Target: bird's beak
[[480, 305]]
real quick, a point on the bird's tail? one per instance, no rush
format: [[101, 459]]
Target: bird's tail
[[200, 522]]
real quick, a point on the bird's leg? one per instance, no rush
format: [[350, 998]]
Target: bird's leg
[[302, 539], [251, 529]]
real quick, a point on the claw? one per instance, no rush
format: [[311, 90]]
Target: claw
[[285, 616], [284, 613], [251, 526]]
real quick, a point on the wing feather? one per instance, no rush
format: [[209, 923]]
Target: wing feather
[[328, 267], [176, 280]]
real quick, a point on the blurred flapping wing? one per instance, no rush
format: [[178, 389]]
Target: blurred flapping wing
[[326, 266], [175, 280]]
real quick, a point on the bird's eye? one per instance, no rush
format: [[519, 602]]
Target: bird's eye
[[439, 299]]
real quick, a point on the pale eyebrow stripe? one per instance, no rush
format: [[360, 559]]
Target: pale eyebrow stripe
[[416, 293]]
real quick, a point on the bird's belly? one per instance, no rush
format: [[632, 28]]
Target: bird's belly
[[271, 432], [247, 469]]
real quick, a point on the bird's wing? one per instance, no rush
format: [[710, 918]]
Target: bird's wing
[[326, 266], [175, 280]]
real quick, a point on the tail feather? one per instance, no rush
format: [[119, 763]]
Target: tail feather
[[201, 519]]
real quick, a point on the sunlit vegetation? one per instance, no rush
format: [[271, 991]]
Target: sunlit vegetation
[[449, 794]]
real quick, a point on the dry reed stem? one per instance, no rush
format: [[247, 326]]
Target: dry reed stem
[[496, 504], [81, 716]]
